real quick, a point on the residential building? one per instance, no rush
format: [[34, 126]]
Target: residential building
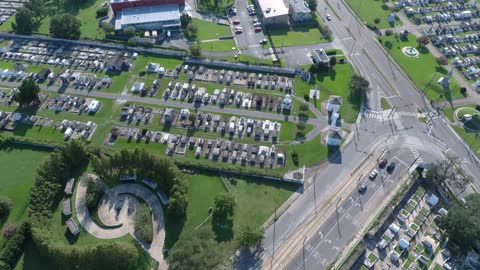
[[320, 56], [299, 11], [273, 12]]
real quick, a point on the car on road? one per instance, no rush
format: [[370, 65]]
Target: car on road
[[257, 24], [382, 163], [270, 50], [236, 22], [329, 18], [362, 188], [169, 34], [263, 41], [391, 167], [238, 31], [373, 175], [258, 29]]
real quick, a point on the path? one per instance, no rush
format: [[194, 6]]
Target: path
[[109, 199]]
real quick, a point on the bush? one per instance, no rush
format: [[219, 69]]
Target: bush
[[463, 91], [477, 107], [5, 205], [388, 32], [102, 11], [295, 157], [442, 60], [143, 223], [303, 107], [306, 97], [132, 42], [14, 247], [9, 230], [376, 20], [129, 31]]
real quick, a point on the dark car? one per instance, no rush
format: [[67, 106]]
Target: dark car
[[362, 188], [391, 167], [382, 163]]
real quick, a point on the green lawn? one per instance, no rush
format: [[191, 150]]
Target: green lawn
[[368, 10], [424, 71], [218, 46], [466, 110], [210, 30], [247, 59], [18, 165], [209, 6], [334, 82], [309, 152], [472, 139], [203, 188], [296, 35]]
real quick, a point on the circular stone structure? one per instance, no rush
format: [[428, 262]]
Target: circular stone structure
[[460, 112], [410, 52]]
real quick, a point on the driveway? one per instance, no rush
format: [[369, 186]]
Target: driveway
[[117, 208]]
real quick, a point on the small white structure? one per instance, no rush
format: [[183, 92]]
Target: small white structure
[[68, 133], [394, 228], [152, 67], [137, 87], [94, 106], [403, 244], [334, 138], [391, 18], [320, 56], [432, 201], [334, 103], [287, 103]]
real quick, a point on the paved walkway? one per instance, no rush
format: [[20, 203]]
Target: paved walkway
[[120, 198]]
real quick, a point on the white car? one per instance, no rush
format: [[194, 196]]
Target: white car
[[257, 24], [329, 18], [169, 34], [373, 174]]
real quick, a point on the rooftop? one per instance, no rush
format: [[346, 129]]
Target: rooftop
[[299, 6], [138, 15], [272, 8]]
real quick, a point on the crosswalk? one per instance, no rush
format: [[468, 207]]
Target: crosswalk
[[384, 114], [416, 154], [398, 123]]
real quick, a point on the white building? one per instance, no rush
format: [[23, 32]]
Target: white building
[[94, 106], [319, 55], [334, 138], [299, 11], [273, 12], [148, 17], [287, 103]]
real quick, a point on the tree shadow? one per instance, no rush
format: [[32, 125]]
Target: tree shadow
[[173, 228], [334, 154], [223, 229], [247, 258]]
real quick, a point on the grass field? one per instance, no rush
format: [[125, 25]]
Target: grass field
[[368, 10], [218, 46], [309, 152], [472, 139], [209, 6], [296, 35], [334, 82], [424, 71], [247, 59], [203, 188], [18, 165], [385, 104], [210, 30], [450, 112]]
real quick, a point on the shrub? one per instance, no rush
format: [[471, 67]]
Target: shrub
[[376, 20], [477, 107], [94, 193], [132, 42], [102, 11], [442, 60], [14, 247], [5, 205], [129, 31], [143, 223], [388, 32], [463, 91], [303, 107], [9, 230], [306, 97], [295, 157]]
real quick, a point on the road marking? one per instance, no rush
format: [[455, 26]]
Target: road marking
[[328, 241], [253, 46], [348, 216], [337, 249], [320, 234]]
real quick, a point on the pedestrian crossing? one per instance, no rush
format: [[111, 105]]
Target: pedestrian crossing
[[398, 123], [384, 114], [416, 154]]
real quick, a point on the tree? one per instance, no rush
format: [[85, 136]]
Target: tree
[[250, 237], [94, 193], [333, 61], [358, 86], [447, 170], [185, 20], [132, 42], [224, 206], [442, 60], [129, 31], [191, 31], [301, 125], [422, 41], [37, 8], [108, 27], [9, 230], [24, 21], [28, 93], [5, 205], [376, 20], [303, 107], [195, 250], [143, 222], [312, 5], [462, 223], [195, 50], [65, 26]]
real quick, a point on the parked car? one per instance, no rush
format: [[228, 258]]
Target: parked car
[[373, 175], [258, 29], [236, 22], [263, 41], [391, 167], [329, 18], [362, 188], [382, 163], [257, 24]]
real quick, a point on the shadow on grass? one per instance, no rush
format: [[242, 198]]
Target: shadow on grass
[[173, 229], [223, 229], [334, 155]]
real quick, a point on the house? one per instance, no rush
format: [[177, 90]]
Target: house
[[334, 138], [320, 56], [118, 63], [299, 11], [272, 12], [334, 103]]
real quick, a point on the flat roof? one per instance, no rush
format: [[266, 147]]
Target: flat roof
[[299, 6], [275, 7], [139, 15]]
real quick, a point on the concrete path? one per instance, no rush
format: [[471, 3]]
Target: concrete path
[[117, 208]]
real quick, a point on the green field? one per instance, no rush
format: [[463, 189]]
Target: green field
[[368, 10], [218, 46], [18, 165], [209, 6], [449, 112], [333, 82], [210, 30], [203, 188], [424, 71], [310, 152], [84, 11], [296, 35]]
